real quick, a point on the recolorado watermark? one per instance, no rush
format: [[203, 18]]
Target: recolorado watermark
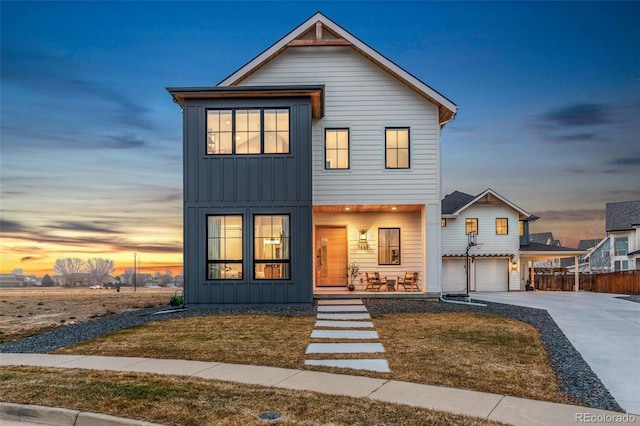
[[605, 418]]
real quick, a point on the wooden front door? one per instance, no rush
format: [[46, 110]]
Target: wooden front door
[[331, 256]]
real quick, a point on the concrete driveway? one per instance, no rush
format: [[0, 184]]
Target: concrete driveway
[[602, 327]]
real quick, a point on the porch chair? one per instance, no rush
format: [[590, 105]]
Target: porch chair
[[409, 282], [374, 282]]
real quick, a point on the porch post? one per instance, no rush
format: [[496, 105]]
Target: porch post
[[576, 275], [532, 275]]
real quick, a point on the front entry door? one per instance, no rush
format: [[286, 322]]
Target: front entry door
[[331, 256]]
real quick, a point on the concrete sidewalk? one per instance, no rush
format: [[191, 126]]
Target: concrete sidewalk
[[602, 327], [507, 409]]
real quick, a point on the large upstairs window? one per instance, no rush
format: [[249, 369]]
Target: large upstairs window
[[248, 131]]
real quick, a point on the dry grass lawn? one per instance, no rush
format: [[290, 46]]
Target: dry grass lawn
[[32, 310], [186, 402], [463, 350]]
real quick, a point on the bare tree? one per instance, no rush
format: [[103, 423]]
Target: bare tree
[[18, 271], [100, 269], [69, 268]]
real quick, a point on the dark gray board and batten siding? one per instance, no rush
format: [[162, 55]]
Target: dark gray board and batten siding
[[247, 185]]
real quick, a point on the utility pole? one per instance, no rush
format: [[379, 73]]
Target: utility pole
[[135, 279]]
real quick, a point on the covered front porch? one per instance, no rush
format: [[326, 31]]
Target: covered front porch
[[353, 241]]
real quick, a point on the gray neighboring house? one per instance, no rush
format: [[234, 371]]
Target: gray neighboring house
[[623, 233]]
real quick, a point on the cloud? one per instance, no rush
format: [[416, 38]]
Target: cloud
[[30, 259], [11, 226], [571, 214], [108, 228], [632, 160], [578, 115]]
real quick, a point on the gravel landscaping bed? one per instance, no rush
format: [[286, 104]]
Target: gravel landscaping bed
[[576, 377]]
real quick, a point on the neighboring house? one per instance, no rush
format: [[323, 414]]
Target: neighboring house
[[317, 153], [547, 239], [598, 259], [499, 227], [591, 262], [623, 232]]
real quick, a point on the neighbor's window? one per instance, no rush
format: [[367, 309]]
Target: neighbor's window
[[271, 247], [336, 148], [224, 247], [621, 246], [397, 148], [248, 131], [389, 246], [621, 265], [443, 222], [502, 226], [471, 225]]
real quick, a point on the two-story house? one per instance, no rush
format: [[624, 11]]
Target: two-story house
[[623, 235], [317, 153], [481, 237]]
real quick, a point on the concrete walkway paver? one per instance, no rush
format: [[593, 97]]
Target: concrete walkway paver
[[601, 326]]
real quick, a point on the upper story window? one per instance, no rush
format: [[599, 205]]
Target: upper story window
[[471, 225], [502, 226], [396, 148], [248, 131], [521, 228], [443, 222], [336, 149], [621, 246]]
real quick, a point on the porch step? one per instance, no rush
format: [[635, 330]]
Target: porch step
[[339, 323], [342, 308]]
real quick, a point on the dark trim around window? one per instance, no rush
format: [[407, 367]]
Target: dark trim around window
[[393, 153], [334, 149], [389, 246]]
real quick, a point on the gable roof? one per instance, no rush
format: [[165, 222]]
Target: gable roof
[[544, 238], [319, 30], [622, 216], [455, 203]]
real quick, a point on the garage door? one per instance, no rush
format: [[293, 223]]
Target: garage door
[[491, 275], [454, 276]]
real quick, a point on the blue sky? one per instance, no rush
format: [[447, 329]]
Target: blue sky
[[549, 97]]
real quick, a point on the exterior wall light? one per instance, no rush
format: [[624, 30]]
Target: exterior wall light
[[363, 244]]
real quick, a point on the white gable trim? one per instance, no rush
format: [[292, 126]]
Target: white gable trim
[[495, 194], [358, 45]]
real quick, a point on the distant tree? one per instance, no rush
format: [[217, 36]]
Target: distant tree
[[69, 268], [18, 271], [47, 281], [99, 269]]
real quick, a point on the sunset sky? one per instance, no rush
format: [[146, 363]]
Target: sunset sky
[[91, 142]]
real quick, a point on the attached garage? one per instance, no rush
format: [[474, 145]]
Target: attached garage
[[454, 276], [491, 274]]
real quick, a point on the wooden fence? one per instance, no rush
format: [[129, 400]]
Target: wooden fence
[[623, 282]]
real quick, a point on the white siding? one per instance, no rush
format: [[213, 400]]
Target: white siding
[[411, 246], [454, 239], [364, 98]]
